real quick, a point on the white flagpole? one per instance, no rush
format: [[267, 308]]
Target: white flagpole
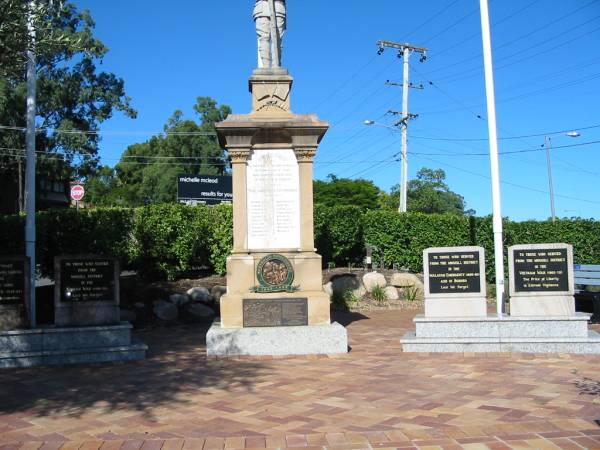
[[494, 165]]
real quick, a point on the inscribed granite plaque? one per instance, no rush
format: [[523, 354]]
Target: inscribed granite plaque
[[13, 276], [540, 270], [87, 280], [278, 312], [273, 200], [454, 272]]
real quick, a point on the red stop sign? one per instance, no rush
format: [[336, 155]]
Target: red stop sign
[[77, 192]]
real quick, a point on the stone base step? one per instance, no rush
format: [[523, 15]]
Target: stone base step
[[300, 340], [69, 345], [411, 343], [507, 327], [130, 352]]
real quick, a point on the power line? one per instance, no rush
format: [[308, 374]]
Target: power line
[[508, 152], [114, 133], [436, 15], [549, 133], [509, 183]]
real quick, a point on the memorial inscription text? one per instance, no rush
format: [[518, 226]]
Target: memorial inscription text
[[87, 280], [541, 270], [454, 272], [12, 282], [280, 312], [273, 191]]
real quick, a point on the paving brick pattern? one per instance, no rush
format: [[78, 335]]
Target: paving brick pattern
[[376, 397]]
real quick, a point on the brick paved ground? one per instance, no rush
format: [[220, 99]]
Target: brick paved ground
[[374, 397]]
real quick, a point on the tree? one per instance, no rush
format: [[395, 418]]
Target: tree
[[73, 98], [344, 191], [429, 193], [147, 172]]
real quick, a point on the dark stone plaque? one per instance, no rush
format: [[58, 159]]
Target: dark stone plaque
[[277, 312], [454, 272], [13, 279], [541, 270], [87, 280]]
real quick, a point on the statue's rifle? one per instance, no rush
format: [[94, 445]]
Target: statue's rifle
[[274, 36]]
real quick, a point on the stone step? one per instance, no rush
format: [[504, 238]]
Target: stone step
[[65, 338], [134, 351], [590, 343], [507, 327]]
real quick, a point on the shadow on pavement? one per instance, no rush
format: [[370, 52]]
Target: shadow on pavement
[[176, 365]]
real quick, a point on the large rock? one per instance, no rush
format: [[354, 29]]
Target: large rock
[[165, 310], [201, 295], [391, 293], [403, 279], [328, 288], [372, 279], [344, 282], [200, 311], [218, 291], [179, 299]]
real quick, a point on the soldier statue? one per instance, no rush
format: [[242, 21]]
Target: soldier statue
[[270, 27]]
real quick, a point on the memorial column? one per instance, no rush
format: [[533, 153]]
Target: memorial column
[[305, 165], [239, 163]]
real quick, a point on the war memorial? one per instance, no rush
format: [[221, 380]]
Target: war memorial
[[275, 304]]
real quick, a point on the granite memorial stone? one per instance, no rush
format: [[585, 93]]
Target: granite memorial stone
[[86, 290], [541, 280], [14, 291], [454, 282]]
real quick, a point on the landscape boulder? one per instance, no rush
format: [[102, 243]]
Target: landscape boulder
[[200, 295], [391, 293], [218, 291], [372, 279], [343, 282], [402, 279], [200, 311], [328, 288], [165, 310], [179, 299]]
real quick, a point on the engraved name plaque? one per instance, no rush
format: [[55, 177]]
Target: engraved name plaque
[[453, 272], [279, 312], [541, 270]]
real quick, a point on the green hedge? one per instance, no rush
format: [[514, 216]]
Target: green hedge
[[166, 241]]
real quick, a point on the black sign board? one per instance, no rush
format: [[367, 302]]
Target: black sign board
[[279, 312], [87, 280], [204, 189], [13, 276], [454, 272], [541, 270]]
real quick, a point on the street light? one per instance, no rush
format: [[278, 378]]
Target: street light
[[403, 168], [547, 146]]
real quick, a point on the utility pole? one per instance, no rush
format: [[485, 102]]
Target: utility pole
[[404, 51], [30, 165], [547, 145]]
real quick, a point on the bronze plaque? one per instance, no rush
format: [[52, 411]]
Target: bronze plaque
[[277, 312]]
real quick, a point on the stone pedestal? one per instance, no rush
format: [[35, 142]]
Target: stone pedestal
[[272, 151]]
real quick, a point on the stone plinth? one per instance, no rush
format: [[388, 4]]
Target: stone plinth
[[281, 341], [509, 334], [73, 345]]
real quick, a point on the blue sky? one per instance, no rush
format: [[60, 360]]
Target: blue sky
[[547, 73]]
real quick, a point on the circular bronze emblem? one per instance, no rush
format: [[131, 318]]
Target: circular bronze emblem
[[275, 271]]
